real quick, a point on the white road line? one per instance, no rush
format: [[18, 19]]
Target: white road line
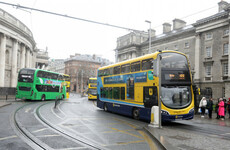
[[27, 110], [55, 113], [39, 130], [9, 137], [61, 110], [52, 135]]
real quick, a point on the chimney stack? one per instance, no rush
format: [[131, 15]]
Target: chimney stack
[[166, 27], [177, 24], [153, 32], [222, 4]]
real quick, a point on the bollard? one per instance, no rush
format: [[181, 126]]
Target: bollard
[[6, 96], [154, 117], [55, 104]]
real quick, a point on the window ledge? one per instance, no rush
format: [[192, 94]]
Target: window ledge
[[224, 36]]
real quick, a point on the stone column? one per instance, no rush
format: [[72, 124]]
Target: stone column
[[14, 64], [23, 56], [197, 58], [2, 59], [27, 58]]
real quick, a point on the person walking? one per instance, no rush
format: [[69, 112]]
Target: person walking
[[202, 105], [221, 109], [228, 107], [217, 109], [210, 107]]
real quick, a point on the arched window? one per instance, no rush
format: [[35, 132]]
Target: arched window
[[7, 58]]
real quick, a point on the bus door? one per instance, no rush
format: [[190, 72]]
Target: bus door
[[150, 96]]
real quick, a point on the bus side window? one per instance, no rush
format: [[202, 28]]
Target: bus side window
[[136, 66], [147, 64], [116, 70], [116, 93], [125, 68], [122, 93], [150, 97]]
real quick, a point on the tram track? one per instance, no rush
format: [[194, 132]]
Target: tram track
[[34, 141]]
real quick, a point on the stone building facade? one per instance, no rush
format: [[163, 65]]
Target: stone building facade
[[205, 42], [81, 68], [17, 49]]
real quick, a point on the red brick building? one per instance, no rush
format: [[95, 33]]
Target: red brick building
[[81, 68]]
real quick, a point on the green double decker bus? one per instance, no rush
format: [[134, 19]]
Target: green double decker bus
[[37, 84]]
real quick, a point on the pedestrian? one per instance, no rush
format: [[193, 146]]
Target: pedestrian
[[221, 109], [202, 105], [228, 107], [217, 109], [210, 107], [225, 107]]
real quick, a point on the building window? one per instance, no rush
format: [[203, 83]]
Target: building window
[[226, 32], [208, 70], [209, 51], [225, 49], [225, 69], [208, 36], [186, 44]]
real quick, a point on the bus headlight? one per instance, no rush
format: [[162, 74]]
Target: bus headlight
[[164, 112], [191, 110]]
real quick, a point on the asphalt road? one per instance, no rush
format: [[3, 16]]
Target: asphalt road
[[78, 124]]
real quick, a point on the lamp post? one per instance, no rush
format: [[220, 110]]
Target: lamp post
[[149, 35]]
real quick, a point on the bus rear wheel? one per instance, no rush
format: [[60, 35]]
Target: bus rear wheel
[[43, 97], [136, 113]]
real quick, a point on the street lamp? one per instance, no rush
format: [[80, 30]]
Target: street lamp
[[149, 35]]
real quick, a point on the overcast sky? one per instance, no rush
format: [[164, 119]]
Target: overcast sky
[[64, 36]]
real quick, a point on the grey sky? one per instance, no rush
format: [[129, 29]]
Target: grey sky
[[64, 36]]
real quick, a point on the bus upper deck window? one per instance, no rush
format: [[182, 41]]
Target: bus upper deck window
[[147, 64], [136, 66]]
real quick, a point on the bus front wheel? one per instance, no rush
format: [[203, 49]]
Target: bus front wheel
[[43, 97], [136, 113]]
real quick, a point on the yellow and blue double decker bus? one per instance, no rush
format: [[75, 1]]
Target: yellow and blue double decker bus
[[92, 89], [67, 84], [132, 87], [37, 84]]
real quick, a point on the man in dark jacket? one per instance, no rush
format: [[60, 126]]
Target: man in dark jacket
[[210, 107]]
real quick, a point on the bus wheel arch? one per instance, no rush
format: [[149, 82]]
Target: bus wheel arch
[[43, 97], [136, 113]]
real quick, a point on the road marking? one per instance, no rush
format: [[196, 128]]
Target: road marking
[[27, 110], [9, 137], [117, 131], [61, 110], [52, 135], [122, 131], [150, 142], [131, 142], [225, 134], [55, 113], [39, 130]]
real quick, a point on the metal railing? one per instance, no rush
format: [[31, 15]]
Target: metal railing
[[5, 92]]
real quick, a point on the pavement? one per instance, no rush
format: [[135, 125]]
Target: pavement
[[4, 103], [196, 134]]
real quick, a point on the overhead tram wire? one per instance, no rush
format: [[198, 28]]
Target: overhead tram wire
[[190, 15], [71, 17]]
